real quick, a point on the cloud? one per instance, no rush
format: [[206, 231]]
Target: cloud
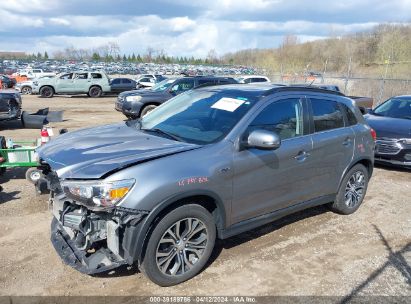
[[59, 21], [185, 28]]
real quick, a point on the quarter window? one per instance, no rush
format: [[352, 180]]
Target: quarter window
[[327, 115], [283, 117], [96, 75]]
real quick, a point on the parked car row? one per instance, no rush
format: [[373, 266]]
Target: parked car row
[[36, 68]]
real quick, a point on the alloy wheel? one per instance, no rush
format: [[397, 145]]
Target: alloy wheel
[[354, 190], [181, 246]]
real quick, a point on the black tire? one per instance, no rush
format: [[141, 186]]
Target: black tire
[[95, 92], [33, 175], [192, 212], [26, 90], [147, 109], [46, 92], [351, 195]]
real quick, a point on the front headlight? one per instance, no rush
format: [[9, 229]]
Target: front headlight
[[133, 98], [99, 193], [406, 141]]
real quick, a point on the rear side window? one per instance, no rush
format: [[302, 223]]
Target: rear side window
[[115, 81], [283, 117], [327, 115], [351, 119], [96, 75], [125, 80]]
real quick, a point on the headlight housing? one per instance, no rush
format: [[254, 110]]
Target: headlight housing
[[406, 141], [133, 98], [98, 193]]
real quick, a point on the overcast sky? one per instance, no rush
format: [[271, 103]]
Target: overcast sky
[[185, 27]]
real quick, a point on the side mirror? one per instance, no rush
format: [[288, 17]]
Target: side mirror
[[263, 139]]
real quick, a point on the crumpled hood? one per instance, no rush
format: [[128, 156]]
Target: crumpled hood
[[389, 127], [94, 152]]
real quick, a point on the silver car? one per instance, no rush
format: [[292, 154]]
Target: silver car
[[210, 163]]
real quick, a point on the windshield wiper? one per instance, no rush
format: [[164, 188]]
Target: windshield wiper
[[168, 134]]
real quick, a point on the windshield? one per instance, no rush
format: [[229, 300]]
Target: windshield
[[199, 117], [395, 108], [163, 85]]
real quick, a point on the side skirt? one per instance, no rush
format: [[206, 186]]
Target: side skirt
[[270, 217]]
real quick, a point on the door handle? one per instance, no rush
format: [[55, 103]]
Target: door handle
[[347, 142], [302, 156]]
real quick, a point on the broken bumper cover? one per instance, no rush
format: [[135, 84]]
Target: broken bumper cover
[[99, 261]]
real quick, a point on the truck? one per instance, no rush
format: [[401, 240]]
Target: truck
[[92, 83]]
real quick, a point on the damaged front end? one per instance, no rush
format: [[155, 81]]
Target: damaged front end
[[91, 239]]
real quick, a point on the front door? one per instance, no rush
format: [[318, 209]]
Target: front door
[[269, 180]]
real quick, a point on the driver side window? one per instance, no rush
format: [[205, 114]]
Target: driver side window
[[283, 117]]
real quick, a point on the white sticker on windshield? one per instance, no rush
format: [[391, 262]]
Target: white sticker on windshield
[[228, 104]]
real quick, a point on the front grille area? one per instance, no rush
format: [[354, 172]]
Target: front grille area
[[385, 146]]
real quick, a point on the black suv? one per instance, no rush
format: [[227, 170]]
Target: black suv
[[138, 103]]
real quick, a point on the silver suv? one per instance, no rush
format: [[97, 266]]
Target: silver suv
[[210, 163]]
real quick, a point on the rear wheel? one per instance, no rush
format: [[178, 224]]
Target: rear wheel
[[4, 86], [352, 190], [46, 92], [95, 92], [147, 109], [179, 246]]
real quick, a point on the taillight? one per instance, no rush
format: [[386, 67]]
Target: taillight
[[373, 134]]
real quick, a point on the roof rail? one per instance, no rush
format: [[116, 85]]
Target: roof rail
[[299, 88]]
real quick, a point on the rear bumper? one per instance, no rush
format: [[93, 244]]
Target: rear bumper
[[100, 261]]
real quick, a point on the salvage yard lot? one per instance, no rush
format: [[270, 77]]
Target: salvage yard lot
[[314, 252]]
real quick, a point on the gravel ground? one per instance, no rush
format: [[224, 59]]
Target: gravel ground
[[314, 252]]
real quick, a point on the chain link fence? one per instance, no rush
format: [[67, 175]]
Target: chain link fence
[[379, 89]]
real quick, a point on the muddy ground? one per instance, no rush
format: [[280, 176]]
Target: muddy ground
[[314, 252]]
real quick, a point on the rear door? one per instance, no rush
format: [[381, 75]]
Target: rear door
[[269, 180], [333, 143]]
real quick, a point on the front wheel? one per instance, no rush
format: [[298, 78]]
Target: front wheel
[[352, 190], [33, 175], [147, 109], [179, 246]]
